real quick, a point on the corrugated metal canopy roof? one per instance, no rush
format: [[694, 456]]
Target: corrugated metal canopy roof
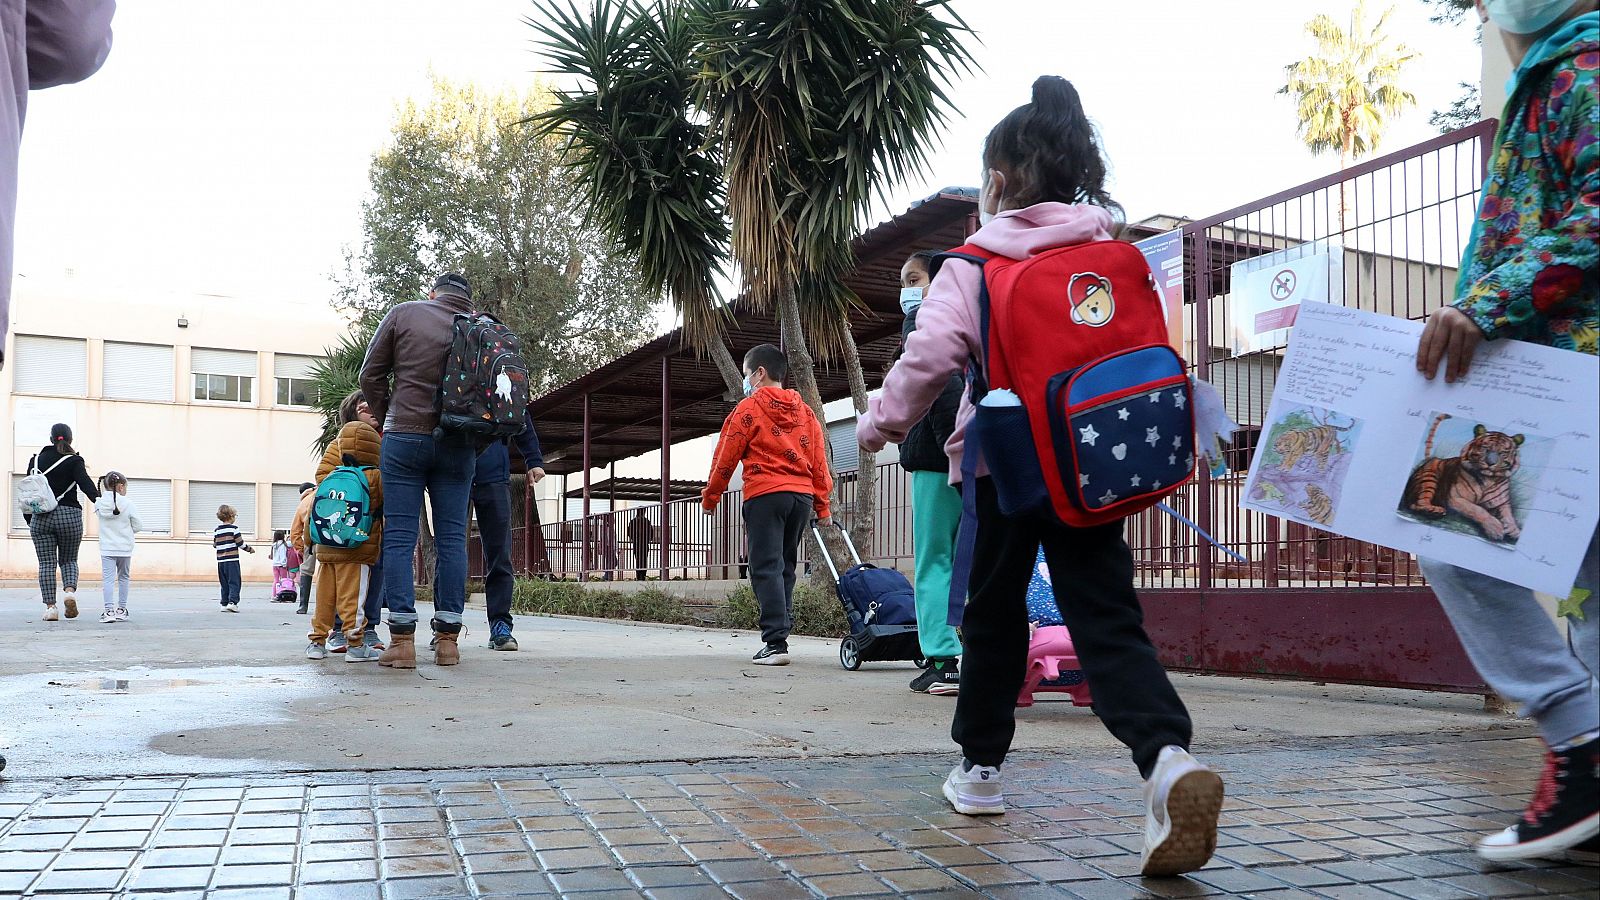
[[625, 394]]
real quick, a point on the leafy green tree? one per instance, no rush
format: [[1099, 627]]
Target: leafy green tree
[[1449, 12], [465, 185], [1466, 110], [1348, 89], [783, 118]]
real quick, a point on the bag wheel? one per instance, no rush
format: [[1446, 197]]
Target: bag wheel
[[850, 654]]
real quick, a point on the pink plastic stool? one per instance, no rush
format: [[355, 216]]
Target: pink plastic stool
[[1053, 667]]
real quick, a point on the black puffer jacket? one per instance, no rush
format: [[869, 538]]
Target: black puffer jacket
[[923, 448]]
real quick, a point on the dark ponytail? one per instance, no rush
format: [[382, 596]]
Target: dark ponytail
[[1048, 150], [61, 438]]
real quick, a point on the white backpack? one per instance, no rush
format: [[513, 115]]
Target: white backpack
[[34, 497]]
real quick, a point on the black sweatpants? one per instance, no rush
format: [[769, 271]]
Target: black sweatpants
[[1092, 571], [774, 525]]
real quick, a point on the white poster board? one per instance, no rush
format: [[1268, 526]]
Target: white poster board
[[1267, 291], [1498, 473], [36, 415]]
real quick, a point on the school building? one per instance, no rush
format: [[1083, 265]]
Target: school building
[[199, 400]]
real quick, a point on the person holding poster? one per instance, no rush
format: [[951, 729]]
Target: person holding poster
[[1530, 274]]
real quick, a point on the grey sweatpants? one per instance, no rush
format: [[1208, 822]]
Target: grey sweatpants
[[1520, 652], [774, 525]]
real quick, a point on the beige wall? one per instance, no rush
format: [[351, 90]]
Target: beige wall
[[258, 443]]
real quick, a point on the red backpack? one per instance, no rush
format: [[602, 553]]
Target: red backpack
[[1105, 427]]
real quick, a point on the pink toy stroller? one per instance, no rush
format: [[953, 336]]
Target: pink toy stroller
[[1052, 662], [283, 590]]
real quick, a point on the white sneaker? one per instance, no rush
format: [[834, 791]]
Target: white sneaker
[[232, 607], [975, 791], [121, 614], [70, 599], [50, 614], [315, 650], [1182, 801], [108, 617]]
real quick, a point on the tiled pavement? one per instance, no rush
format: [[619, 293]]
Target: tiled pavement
[[1373, 818]]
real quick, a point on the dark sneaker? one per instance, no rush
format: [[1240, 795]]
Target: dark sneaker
[[1564, 812], [500, 637], [940, 678], [772, 655]]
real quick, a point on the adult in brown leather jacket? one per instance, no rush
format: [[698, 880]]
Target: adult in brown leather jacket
[[410, 347]]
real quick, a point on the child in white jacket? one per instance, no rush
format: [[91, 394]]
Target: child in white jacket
[[118, 522]]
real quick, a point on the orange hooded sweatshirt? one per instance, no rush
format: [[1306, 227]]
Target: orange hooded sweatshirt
[[777, 437]]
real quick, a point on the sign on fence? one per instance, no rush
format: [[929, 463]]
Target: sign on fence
[[1164, 253], [1268, 290], [1496, 473]]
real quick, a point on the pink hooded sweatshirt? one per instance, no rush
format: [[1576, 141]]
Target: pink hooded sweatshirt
[[947, 334]]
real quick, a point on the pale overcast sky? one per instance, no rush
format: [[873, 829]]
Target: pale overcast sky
[[224, 146]]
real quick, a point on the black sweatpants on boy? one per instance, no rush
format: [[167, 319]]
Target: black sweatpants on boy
[[774, 526], [1092, 572]]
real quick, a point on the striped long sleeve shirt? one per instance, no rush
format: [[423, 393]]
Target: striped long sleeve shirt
[[228, 542]]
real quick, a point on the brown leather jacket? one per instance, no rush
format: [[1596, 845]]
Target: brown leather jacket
[[411, 344]]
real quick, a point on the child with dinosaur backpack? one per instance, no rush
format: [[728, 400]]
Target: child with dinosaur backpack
[[1053, 283], [344, 522]]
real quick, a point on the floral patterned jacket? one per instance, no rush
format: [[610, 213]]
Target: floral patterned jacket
[[1532, 266]]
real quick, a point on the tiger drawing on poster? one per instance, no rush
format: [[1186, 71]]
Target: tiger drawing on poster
[[1319, 443], [1475, 484]]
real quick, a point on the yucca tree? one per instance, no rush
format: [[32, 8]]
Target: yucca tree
[[1347, 90], [786, 118]]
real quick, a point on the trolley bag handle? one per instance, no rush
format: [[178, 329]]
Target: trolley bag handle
[[816, 532]]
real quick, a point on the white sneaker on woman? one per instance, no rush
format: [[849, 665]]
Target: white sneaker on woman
[[50, 614], [107, 617]]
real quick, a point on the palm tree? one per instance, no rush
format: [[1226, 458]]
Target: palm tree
[[1346, 91], [334, 376], [787, 117]]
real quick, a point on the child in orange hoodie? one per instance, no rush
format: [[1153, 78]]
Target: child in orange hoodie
[[778, 439]]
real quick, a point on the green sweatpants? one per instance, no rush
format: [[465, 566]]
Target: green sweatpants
[[935, 518]]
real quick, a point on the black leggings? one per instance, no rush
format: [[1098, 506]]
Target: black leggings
[[1092, 572]]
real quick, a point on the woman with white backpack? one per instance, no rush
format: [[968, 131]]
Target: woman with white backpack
[[55, 516]]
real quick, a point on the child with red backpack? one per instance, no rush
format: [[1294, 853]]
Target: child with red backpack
[[1102, 436]]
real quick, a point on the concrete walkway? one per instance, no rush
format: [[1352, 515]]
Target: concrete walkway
[[184, 688]]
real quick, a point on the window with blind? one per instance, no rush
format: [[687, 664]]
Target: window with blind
[[846, 452], [226, 376], [153, 498], [206, 497], [137, 372], [285, 499], [293, 374], [50, 365]]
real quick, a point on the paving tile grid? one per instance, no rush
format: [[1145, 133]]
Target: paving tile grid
[[1372, 818]]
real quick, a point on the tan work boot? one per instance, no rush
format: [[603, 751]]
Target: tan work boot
[[446, 651], [401, 652]]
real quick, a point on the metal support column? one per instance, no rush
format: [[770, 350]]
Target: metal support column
[[1202, 370], [588, 543], [666, 464]]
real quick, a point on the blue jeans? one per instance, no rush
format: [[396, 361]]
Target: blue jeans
[[493, 505], [228, 577], [412, 464]]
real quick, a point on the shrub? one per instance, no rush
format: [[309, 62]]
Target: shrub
[[816, 612], [564, 598]]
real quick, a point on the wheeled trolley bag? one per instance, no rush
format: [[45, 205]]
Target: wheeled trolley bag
[[880, 606]]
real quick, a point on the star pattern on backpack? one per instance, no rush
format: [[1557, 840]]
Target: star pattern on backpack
[[1126, 446]]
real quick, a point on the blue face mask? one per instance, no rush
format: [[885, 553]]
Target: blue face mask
[[1526, 16], [910, 299], [749, 389]]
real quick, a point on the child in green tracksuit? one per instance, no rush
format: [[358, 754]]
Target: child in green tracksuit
[[935, 506], [1532, 273]]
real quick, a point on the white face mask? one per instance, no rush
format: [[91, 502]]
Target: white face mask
[[910, 299], [984, 215], [1526, 16], [749, 389]]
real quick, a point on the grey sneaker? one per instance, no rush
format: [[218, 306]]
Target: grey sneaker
[[362, 653], [315, 650], [337, 642], [975, 791]]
